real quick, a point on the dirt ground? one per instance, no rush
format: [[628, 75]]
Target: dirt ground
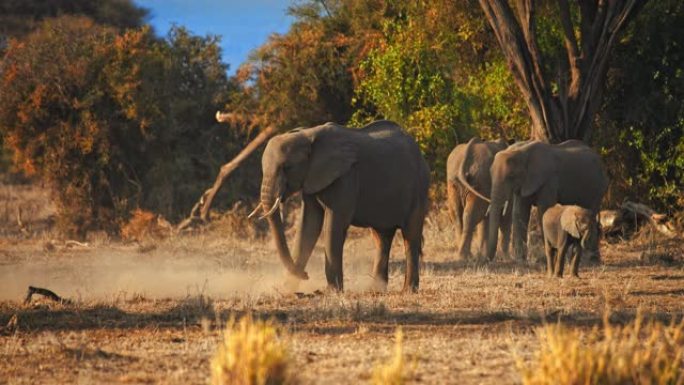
[[153, 313]]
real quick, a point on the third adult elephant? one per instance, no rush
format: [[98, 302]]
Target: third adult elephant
[[543, 174], [467, 173]]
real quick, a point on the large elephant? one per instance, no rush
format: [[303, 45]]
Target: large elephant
[[543, 174], [370, 177], [468, 166]]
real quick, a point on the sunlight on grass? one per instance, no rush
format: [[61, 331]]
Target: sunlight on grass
[[637, 353], [252, 353], [397, 371]]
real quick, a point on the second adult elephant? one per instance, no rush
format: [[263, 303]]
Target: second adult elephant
[[543, 174], [467, 173], [370, 177]]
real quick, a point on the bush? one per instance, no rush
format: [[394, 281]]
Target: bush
[[252, 353], [116, 121], [637, 353], [397, 371]]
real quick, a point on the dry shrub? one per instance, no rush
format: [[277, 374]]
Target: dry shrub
[[252, 353], [236, 223], [637, 353], [144, 224], [397, 371]]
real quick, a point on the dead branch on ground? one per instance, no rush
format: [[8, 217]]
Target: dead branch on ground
[[200, 211], [613, 220], [45, 293]]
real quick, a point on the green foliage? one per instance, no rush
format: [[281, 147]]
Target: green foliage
[[641, 126], [114, 121], [431, 75]]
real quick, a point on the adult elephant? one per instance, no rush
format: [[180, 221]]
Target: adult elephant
[[467, 173], [543, 174], [370, 177]]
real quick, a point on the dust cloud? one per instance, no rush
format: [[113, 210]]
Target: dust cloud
[[102, 277]]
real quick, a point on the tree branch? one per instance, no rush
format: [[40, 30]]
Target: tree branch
[[200, 211]]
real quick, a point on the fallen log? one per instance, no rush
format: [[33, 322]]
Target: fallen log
[[615, 220], [45, 293], [657, 220]]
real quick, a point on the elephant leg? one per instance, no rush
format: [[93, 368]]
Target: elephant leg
[[335, 226], [413, 247], [505, 232], [481, 237], [383, 241], [576, 258], [455, 205], [560, 260], [309, 226], [469, 222], [550, 258], [521, 219]]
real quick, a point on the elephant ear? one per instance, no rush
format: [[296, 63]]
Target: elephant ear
[[569, 223], [539, 168], [332, 155]]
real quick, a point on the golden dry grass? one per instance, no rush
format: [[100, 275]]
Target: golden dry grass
[[638, 353], [397, 371], [252, 353]]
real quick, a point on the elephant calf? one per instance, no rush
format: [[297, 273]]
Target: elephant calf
[[565, 227]]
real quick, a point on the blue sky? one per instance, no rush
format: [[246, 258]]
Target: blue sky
[[242, 25]]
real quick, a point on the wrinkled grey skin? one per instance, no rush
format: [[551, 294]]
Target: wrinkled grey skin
[[371, 177], [568, 227], [542, 174], [467, 174]]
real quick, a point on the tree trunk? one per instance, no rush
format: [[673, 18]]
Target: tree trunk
[[568, 112]]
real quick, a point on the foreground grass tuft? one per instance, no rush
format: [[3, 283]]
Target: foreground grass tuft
[[637, 353], [252, 353], [397, 371]]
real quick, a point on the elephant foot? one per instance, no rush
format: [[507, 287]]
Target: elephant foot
[[291, 283], [331, 288], [410, 289], [378, 285]]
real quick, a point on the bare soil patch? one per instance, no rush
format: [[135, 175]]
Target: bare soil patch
[[154, 314]]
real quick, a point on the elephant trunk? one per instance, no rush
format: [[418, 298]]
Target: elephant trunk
[[496, 207], [270, 206], [462, 174]]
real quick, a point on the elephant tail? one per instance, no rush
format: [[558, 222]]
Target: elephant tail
[[462, 173]]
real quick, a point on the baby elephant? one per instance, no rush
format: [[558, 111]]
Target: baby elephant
[[566, 226]]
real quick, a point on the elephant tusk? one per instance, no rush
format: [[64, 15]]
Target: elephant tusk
[[218, 116], [505, 207], [487, 212], [253, 213], [272, 210]]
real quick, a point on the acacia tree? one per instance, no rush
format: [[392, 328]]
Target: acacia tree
[[562, 105]]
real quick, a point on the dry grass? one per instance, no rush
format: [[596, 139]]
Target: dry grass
[[396, 371], [639, 353], [252, 353], [159, 317], [145, 225]]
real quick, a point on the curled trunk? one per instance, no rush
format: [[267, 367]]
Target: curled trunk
[[277, 228], [278, 231]]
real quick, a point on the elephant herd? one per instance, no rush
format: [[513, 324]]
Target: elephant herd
[[376, 177]]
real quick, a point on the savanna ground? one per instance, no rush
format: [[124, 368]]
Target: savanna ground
[[153, 312]]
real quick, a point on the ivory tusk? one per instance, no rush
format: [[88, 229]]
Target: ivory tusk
[[253, 213], [505, 207], [272, 210], [218, 116], [487, 212]]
